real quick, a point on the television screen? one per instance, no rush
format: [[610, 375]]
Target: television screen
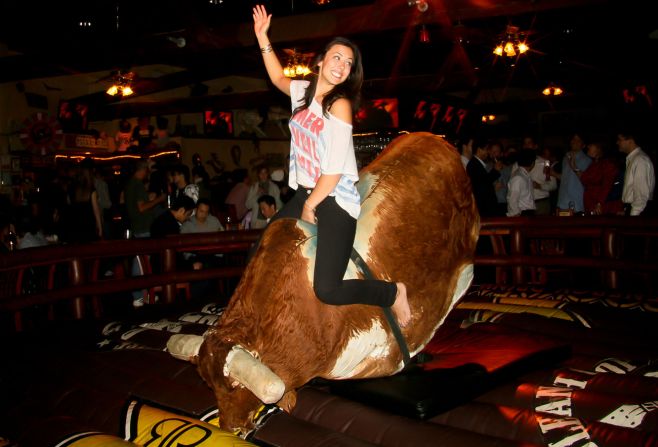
[[218, 124], [376, 114]]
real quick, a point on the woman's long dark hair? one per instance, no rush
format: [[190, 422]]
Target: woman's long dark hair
[[350, 88]]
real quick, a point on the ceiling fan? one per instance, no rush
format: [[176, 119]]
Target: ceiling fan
[[120, 82]]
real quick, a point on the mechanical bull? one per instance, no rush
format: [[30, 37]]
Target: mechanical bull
[[418, 225]]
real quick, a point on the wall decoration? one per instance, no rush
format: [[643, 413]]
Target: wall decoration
[[217, 124], [637, 97], [439, 117], [248, 124], [41, 133], [236, 154], [377, 114], [73, 116]]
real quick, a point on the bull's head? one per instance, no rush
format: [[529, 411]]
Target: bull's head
[[228, 356], [240, 381]]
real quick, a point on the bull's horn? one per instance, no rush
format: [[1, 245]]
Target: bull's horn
[[253, 375], [184, 346]]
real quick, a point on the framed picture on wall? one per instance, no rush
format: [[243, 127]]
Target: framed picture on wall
[[217, 123], [377, 114], [443, 116], [72, 116]]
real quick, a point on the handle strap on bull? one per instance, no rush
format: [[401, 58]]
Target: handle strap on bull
[[388, 313]]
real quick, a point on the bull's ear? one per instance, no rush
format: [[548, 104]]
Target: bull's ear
[[185, 347]]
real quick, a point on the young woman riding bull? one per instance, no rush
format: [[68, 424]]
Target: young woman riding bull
[[323, 168]]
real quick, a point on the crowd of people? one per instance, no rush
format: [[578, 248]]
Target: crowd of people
[[88, 202], [589, 178]]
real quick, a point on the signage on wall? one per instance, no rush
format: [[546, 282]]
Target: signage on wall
[[439, 117], [79, 141]]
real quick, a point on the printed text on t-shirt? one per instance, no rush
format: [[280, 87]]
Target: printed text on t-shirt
[[307, 123]]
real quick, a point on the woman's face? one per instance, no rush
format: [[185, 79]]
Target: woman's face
[[336, 65]]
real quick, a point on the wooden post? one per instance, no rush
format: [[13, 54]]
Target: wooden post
[[516, 248], [169, 266], [610, 252], [76, 275]]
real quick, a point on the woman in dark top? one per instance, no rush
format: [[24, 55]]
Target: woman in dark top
[[83, 217]]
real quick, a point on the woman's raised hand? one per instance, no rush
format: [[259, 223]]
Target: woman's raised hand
[[261, 21]]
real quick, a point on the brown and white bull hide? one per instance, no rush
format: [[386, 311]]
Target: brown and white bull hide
[[418, 225]]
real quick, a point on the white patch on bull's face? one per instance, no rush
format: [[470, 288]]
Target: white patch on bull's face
[[370, 343]]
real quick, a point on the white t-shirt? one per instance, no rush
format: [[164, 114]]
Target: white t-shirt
[[639, 181], [520, 193], [538, 175], [322, 145]]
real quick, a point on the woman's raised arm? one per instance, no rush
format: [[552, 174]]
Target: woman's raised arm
[[262, 22]]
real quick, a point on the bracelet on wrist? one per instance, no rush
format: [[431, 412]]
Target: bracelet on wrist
[[306, 205], [266, 49]]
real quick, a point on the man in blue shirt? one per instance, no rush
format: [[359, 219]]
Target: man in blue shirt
[[570, 194]]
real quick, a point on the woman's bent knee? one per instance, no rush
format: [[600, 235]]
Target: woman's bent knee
[[326, 294]]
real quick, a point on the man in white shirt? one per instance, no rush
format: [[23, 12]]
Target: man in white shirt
[[520, 199], [639, 179], [262, 187], [266, 207], [543, 182], [465, 148]]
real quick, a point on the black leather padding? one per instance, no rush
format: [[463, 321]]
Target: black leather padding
[[462, 365], [417, 393]]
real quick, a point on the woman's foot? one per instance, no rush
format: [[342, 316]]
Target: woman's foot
[[401, 307]]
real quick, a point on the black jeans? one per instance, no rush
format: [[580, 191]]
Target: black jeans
[[335, 238]]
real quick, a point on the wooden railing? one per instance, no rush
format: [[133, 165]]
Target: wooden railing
[[524, 250], [80, 267]]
